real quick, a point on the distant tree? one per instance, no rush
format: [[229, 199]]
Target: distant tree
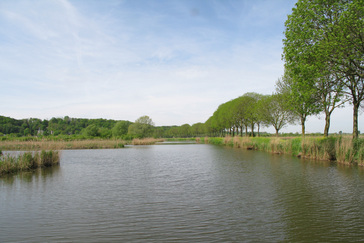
[[142, 127], [146, 120], [105, 132], [120, 128], [257, 111], [240, 105], [198, 129], [27, 132], [185, 130], [276, 112], [91, 131], [300, 95], [250, 112]]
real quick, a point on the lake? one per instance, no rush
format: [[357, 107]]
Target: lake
[[183, 193]]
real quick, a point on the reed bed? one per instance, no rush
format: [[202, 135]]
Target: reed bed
[[60, 145], [28, 161], [335, 148], [146, 141]]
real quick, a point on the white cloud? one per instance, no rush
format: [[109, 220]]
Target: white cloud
[[175, 61]]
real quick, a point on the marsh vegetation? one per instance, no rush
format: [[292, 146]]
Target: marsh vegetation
[[335, 148], [28, 161]]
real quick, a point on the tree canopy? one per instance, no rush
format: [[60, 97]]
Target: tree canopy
[[324, 56]]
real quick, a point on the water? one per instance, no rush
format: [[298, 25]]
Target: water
[[183, 193]]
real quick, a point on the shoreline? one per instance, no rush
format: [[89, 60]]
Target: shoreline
[[337, 149], [340, 149]]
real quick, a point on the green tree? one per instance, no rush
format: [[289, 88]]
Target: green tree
[[120, 128], [142, 127], [198, 129], [91, 131], [324, 48], [250, 112], [276, 112], [185, 130], [300, 95]]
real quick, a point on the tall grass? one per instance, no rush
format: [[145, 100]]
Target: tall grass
[[35, 145], [145, 141], [349, 151], [28, 161], [340, 149]]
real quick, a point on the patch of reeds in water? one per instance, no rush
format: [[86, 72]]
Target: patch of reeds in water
[[28, 161], [146, 141]]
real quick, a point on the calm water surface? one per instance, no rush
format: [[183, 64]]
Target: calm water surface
[[183, 193]]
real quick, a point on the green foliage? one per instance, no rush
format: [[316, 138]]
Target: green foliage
[[143, 127], [216, 140], [120, 128], [91, 131], [299, 95], [324, 56], [295, 145], [249, 111], [276, 112]]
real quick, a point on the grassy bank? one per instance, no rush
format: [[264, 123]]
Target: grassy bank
[[340, 149], [28, 161]]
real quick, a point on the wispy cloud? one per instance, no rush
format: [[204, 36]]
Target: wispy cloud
[[175, 61]]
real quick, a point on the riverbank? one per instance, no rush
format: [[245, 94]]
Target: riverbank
[[336, 148], [28, 161]]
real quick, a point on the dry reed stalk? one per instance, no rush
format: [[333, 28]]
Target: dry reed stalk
[[145, 141], [344, 150], [276, 145], [60, 145], [237, 142], [246, 142], [227, 140], [28, 161]]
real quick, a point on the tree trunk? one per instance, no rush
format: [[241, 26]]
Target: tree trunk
[[327, 124], [277, 134], [258, 129], [355, 121], [252, 129], [303, 121], [246, 131]]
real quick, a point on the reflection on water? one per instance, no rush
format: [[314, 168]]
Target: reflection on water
[[185, 192], [39, 174]]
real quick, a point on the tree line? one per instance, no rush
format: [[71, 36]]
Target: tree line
[[80, 128], [249, 112]]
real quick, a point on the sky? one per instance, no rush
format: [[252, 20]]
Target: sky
[[173, 60]]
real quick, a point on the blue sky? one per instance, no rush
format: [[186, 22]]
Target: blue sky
[[173, 60]]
